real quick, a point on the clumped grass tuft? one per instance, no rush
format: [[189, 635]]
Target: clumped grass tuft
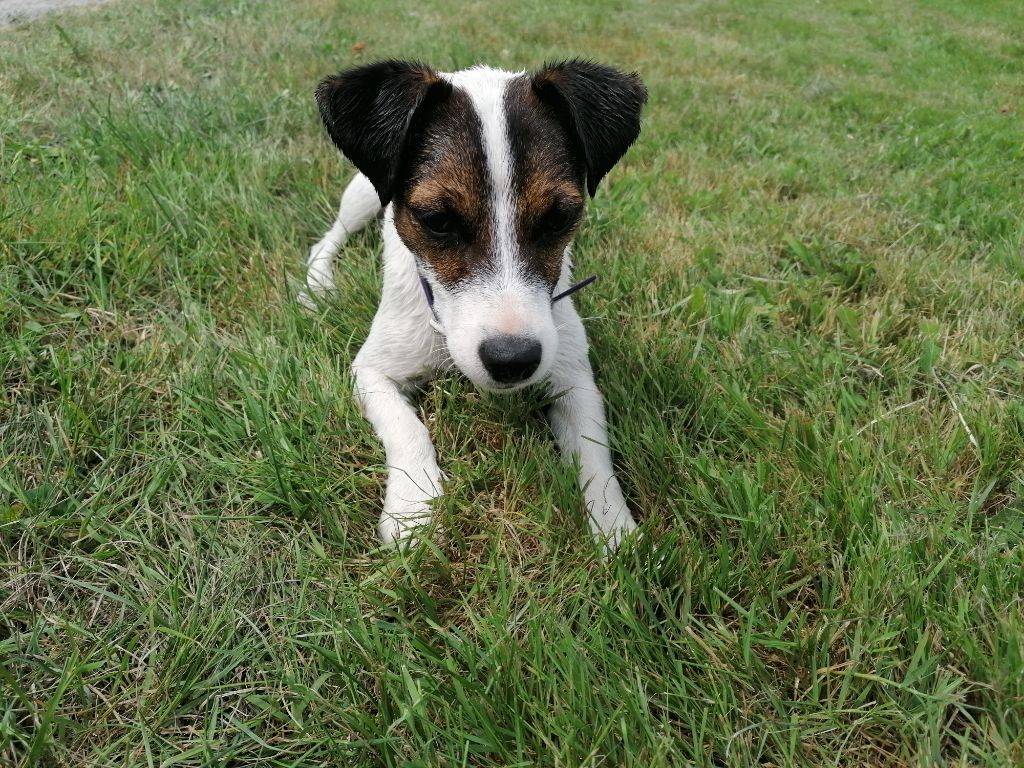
[[808, 327]]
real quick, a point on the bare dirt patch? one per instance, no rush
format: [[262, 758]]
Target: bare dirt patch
[[15, 11]]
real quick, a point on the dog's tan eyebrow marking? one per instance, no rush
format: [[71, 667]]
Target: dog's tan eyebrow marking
[[427, 195], [442, 191], [539, 193]]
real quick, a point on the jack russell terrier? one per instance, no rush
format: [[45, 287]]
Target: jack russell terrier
[[481, 176]]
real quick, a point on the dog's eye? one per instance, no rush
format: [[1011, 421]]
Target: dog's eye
[[556, 222], [442, 225]]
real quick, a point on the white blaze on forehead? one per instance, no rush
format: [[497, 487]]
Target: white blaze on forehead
[[486, 90]]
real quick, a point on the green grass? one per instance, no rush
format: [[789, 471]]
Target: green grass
[[809, 328]]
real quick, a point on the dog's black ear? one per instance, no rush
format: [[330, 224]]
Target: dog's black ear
[[599, 106], [368, 110]]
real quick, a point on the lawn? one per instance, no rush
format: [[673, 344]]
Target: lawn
[[809, 326]]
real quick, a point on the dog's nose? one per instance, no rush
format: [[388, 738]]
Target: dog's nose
[[510, 359]]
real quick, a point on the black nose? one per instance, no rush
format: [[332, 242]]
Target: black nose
[[510, 359]]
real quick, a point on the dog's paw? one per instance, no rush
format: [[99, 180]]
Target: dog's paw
[[401, 519], [319, 273], [625, 527], [612, 534], [320, 265]]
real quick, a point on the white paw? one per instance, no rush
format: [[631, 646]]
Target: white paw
[[614, 528], [319, 272], [401, 519], [320, 266]]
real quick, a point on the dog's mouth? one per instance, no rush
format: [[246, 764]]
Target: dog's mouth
[[503, 388]]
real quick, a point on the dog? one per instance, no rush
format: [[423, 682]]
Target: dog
[[481, 175]]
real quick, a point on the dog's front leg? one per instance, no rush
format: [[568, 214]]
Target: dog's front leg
[[414, 478], [578, 422]]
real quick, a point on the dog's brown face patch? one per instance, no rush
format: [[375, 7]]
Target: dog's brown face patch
[[444, 203], [443, 211], [547, 178]]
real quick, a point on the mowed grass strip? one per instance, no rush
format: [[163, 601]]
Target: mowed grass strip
[[808, 326]]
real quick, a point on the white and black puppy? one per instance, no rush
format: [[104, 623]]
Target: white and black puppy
[[481, 175]]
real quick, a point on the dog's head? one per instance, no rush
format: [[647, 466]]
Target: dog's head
[[487, 172]]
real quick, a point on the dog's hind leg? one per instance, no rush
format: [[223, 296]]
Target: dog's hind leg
[[359, 206]]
